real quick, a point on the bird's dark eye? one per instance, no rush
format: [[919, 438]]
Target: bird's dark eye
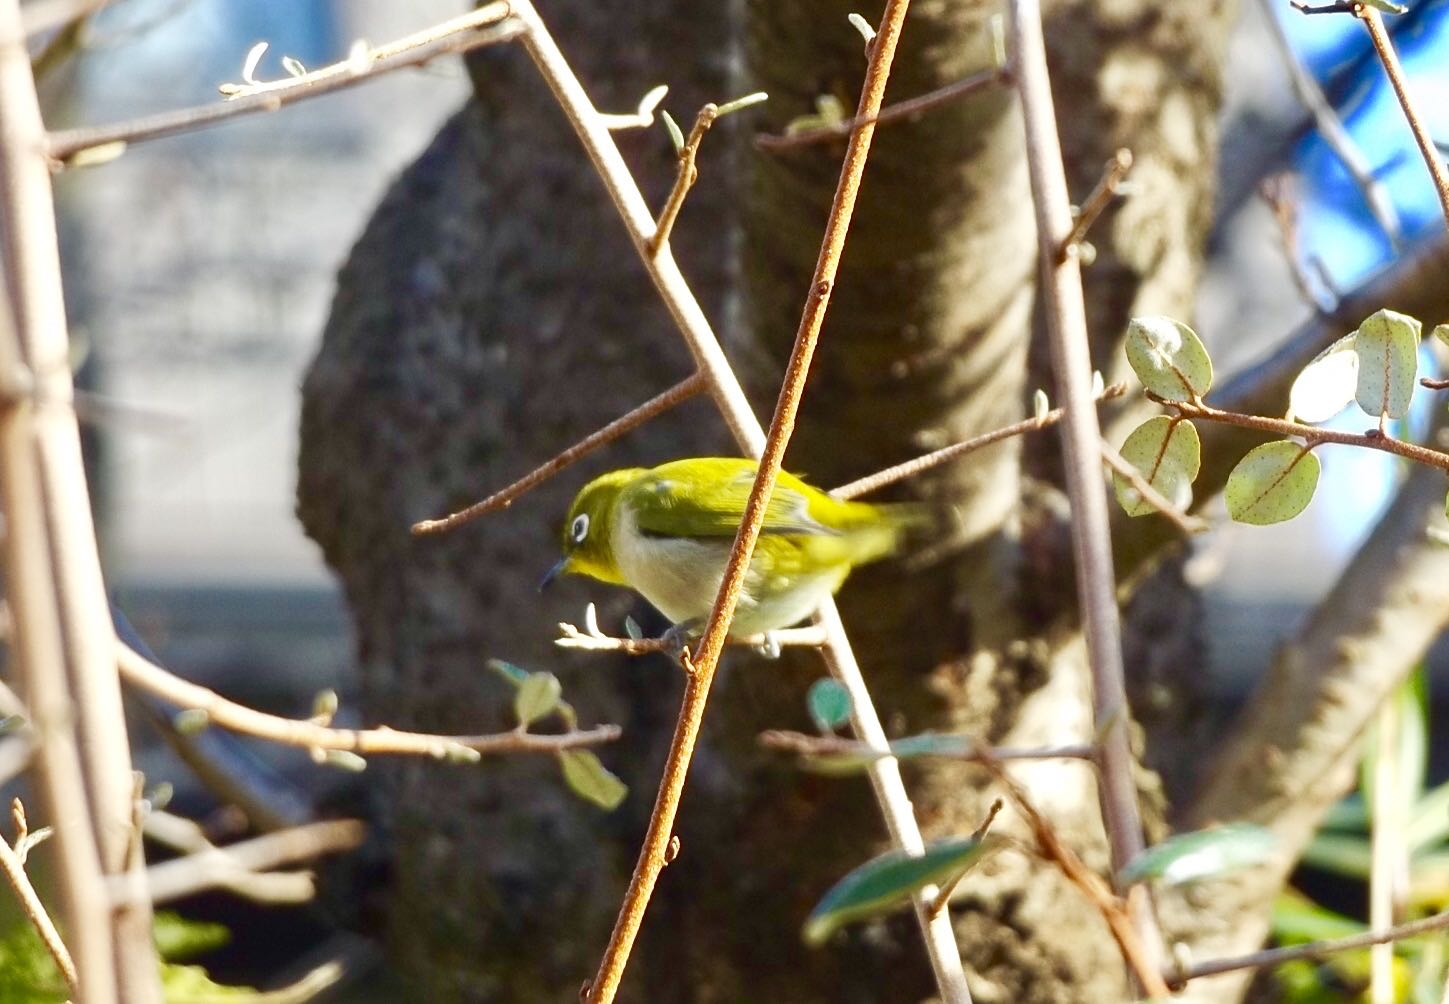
[[580, 528]]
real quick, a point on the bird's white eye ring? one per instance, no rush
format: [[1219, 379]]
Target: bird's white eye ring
[[580, 528]]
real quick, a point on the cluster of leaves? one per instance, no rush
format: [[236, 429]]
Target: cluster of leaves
[[1375, 366], [28, 974], [1343, 848], [539, 695], [888, 882]]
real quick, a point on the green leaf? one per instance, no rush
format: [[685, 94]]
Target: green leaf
[[1429, 823], [1326, 385], [1387, 344], [1167, 452], [591, 780], [1298, 920], [179, 937], [1202, 854], [829, 704], [537, 696], [1169, 358], [1346, 854], [884, 883], [1411, 704], [513, 674], [1273, 483]]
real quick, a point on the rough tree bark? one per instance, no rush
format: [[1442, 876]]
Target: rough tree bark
[[492, 312]]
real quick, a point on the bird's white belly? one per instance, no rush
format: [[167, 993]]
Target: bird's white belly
[[681, 578]]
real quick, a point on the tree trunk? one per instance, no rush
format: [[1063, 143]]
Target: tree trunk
[[493, 312]]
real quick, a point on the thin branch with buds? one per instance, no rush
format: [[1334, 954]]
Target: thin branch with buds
[[1106, 189], [807, 745], [484, 26], [505, 497], [591, 638], [899, 111], [12, 863], [1141, 957], [1312, 950], [946, 454], [217, 710], [1062, 296], [1334, 133], [1313, 436], [245, 869]]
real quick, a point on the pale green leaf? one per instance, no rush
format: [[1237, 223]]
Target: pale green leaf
[[536, 696], [1346, 854], [675, 135], [591, 780], [1326, 385], [1273, 483], [1167, 453], [1387, 344], [1441, 332], [1169, 358], [1202, 854], [513, 674], [829, 704], [888, 882], [178, 938], [345, 760]]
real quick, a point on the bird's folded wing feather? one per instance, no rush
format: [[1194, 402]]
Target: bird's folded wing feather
[[664, 507]]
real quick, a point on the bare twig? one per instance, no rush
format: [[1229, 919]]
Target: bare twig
[[1384, 46], [918, 465], [143, 673], [729, 397], [896, 112], [460, 34], [1185, 522], [591, 638], [62, 630], [642, 117], [1332, 129], [1432, 383], [1113, 174], [14, 868], [245, 868], [943, 895], [503, 498], [809, 745], [1312, 950], [685, 178], [1140, 956], [1313, 435], [1061, 290], [1277, 192]]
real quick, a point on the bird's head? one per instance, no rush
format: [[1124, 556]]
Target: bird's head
[[586, 539]]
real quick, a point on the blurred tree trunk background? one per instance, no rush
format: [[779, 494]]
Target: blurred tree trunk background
[[493, 312]]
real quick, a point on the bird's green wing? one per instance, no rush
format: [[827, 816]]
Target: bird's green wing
[[710, 502]]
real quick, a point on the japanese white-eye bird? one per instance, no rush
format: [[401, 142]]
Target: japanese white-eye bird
[[666, 533]]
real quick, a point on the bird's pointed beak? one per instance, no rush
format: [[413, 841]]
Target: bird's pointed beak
[[559, 568]]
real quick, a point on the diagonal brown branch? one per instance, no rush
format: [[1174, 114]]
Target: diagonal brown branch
[[663, 271], [141, 672], [461, 34], [505, 497]]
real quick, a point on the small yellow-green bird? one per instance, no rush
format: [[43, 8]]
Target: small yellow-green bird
[[666, 532]]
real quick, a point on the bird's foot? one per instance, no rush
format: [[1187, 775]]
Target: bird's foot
[[768, 646], [677, 639]]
